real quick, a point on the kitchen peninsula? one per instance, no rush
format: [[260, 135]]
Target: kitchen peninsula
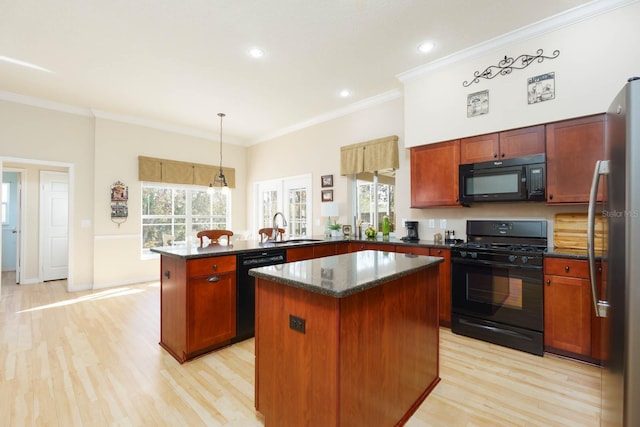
[[346, 340]]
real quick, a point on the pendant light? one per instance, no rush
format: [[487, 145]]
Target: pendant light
[[220, 179]]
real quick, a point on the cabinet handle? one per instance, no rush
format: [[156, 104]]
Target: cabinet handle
[[502, 155], [495, 155], [213, 279], [439, 251], [167, 274], [566, 268], [215, 267], [550, 196], [548, 282]]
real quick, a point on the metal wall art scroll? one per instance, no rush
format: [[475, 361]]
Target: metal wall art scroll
[[508, 64], [119, 199]]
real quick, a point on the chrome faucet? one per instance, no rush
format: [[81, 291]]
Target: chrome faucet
[[274, 231]]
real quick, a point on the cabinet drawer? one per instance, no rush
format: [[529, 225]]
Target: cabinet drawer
[[566, 267], [213, 265]]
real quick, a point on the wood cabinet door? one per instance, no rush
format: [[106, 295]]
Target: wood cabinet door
[[445, 284], [434, 174], [573, 146], [522, 142], [567, 314], [482, 148], [211, 311]]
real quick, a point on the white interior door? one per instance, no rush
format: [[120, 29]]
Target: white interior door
[[54, 225]]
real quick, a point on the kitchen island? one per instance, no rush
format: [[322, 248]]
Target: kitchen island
[[346, 340]]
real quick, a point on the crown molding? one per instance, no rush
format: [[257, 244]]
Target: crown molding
[[351, 108], [168, 127], [552, 23], [44, 103]]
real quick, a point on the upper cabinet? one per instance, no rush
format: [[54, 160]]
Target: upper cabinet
[[573, 146], [503, 145], [434, 174]]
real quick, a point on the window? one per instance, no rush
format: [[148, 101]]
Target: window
[[5, 202], [375, 198], [180, 212], [290, 196]]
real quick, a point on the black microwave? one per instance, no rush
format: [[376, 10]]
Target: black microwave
[[518, 179]]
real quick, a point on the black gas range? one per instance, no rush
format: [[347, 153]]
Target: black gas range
[[497, 283]]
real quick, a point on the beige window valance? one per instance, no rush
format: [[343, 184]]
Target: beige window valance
[[370, 156], [173, 172]]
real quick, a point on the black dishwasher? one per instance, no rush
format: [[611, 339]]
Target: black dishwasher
[[245, 288]]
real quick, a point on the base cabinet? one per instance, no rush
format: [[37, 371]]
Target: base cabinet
[[569, 319], [197, 305]]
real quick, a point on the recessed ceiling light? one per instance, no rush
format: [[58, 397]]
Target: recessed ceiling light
[[426, 47], [23, 63], [345, 93], [256, 52]]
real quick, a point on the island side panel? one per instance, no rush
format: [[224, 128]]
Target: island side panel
[[173, 306], [296, 373], [389, 350]]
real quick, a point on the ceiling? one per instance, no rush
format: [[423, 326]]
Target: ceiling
[[180, 62]]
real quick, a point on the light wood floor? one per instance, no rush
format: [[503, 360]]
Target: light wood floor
[[92, 359]]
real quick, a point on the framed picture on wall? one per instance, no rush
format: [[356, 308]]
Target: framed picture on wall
[[327, 180], [541, 88], [478, 103], [327, 195]]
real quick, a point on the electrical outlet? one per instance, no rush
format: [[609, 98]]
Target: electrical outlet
[[432, 223], [297, 323], [443, 224]]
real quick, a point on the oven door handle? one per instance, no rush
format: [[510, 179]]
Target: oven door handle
[[601, 308]]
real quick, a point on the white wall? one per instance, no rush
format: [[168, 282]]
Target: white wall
[[101, 151], [48, 136], [117, 259], [316, 150], [597, 56]]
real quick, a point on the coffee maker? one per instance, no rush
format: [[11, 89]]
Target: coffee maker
[[412, 231]]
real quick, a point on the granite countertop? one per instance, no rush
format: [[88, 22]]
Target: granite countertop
[[247, 246], [571, 253], [342, 275]]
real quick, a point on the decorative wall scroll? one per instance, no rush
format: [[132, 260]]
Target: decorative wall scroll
[[508, 64], [119, 199]]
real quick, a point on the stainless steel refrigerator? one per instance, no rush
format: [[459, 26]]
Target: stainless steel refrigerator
[[618, 305]]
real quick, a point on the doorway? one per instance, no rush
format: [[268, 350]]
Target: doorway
[[29, 251], [10, 214]]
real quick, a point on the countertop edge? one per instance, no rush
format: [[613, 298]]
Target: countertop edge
[[430, 261]]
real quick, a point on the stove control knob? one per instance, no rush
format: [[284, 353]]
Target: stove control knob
[[474, 255], [463, 254], [525, 259], [512, 258]]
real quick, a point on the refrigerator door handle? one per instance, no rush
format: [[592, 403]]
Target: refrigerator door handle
[[601, 307]]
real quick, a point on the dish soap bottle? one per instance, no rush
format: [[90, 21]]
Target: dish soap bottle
[[386, 226]]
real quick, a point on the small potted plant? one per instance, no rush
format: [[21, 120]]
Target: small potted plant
[[336, 229]]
